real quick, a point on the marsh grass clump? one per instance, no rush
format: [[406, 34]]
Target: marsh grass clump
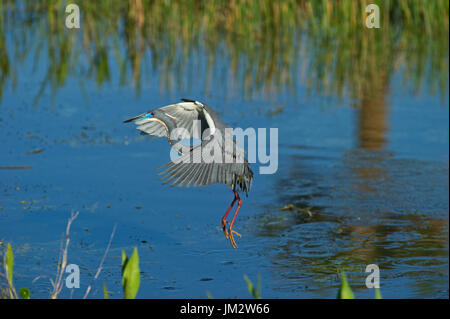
[[8, 273], [130, 271]]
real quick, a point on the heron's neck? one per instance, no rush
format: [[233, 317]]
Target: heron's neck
[[210, 121]]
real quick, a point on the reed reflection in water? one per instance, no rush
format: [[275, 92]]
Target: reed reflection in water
[[249, 47]]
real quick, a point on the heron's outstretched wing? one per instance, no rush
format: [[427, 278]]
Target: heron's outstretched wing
[[160, 122], [191, 168]]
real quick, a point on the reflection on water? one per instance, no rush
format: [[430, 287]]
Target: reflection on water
[[372, 119], [372, 172], [246, 48], [366, 209]]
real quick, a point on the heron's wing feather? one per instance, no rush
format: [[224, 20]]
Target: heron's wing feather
[[160, 122], [151, 126], [218, 159], [200, 167], [185, 115]]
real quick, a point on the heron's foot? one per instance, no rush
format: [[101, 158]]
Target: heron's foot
[[230, 235]]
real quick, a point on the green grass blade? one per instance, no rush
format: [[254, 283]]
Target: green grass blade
[[378, 293], [130, 274], [345, 292], [255, 292], [9, 263], [105, 292]]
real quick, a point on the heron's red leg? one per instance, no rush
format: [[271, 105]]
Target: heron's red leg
[[224, 221], [230, 229]]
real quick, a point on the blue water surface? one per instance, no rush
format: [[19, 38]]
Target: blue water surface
[[386, 205]]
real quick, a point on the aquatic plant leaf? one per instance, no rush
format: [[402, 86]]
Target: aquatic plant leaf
[[24, 293], [130, 274], [378, 293], [105, 292], [255, 292], [9, 263], [345, 292]]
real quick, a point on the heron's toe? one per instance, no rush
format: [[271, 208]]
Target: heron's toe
[[231, 237]]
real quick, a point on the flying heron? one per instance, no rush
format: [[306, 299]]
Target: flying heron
[[192, 118]]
